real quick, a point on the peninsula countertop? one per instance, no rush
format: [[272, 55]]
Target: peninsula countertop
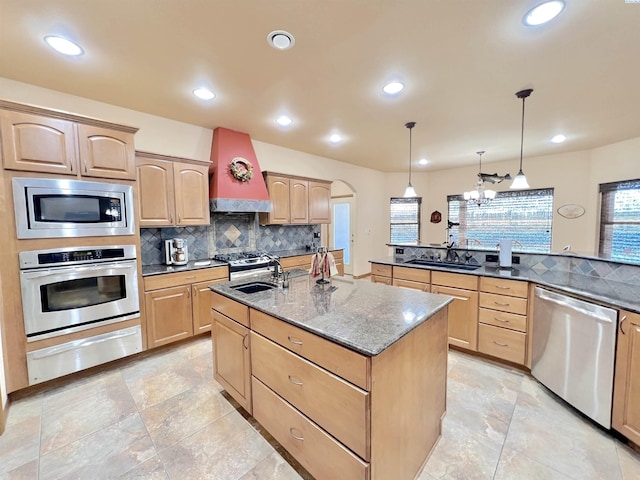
[[360, 315], [617, 294]]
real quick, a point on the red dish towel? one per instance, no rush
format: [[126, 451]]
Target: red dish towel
[[323, 263]]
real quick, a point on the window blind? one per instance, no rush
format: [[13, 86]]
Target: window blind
[[620, 221], [524, 216], [405, 220]]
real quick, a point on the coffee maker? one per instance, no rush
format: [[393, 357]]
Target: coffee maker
[[176, 252]]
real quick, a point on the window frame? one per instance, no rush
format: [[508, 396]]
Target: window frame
[[607, 192], [418, 222]]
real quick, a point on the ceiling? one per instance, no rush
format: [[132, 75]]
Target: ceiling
[[462, 62]]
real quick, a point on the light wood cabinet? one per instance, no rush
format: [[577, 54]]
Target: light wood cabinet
[[232, 349], [37, 142], [626, 391], [463, 311], [297, 200], [338, 256], [178, 305], [416, 278], [502, 331], [171, 191], [297, 261], [381, 273]]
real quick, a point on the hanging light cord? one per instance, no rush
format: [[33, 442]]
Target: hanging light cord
[[410, 126], [523, 94]]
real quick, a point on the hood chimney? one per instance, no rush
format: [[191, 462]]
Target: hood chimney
[[236, 183]]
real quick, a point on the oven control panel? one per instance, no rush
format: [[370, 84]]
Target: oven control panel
[[75, 256]]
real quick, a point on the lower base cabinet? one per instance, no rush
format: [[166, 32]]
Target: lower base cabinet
[[341, 414], [626, 391]]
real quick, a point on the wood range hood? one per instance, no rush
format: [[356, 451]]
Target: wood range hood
[[227, 192]]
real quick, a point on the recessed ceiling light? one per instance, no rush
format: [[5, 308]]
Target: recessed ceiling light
[[423, 161], [284, 121], [280, 40], [204, 93], [558, 139], [543, 13], [392, 88], [335, 138], [64, 46]]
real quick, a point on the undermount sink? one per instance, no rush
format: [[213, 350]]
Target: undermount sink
[[431, 263], [254, 287]]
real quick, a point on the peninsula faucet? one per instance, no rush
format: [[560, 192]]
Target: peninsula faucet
[[452, 255], [278, 271]]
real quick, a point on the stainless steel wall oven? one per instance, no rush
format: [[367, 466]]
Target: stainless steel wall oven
[[74, 289]]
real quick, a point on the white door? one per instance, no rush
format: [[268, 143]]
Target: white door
[[342, 231]]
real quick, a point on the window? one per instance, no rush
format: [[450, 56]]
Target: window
[[523, 216], [405, 220], [620, 221]]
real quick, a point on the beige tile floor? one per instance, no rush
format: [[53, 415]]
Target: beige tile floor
[[162, 416]]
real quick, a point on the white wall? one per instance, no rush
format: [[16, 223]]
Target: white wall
[[574, 176]]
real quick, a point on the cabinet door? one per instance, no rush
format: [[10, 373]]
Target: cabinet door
[[155, 192], [626, 392], [319, 202], [106, 153], [191, 186], [381, 279], [463, 316], [232, 358], [38, 144], [202, 305], [299, 201], [279, 195], [168, 314]]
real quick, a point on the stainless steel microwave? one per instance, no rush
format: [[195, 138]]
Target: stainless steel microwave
[[58, 208]]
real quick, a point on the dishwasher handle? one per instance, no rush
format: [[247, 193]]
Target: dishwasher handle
[[597, 312]]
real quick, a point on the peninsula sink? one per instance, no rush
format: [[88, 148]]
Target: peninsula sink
[[254, 287], [431, 263]]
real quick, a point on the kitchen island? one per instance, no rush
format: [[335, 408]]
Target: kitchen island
[[350, 377]]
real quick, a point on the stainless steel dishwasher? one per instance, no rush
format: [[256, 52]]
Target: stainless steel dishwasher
[[574, 351]]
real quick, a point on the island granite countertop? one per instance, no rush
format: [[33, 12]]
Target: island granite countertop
[[360, 315], [617, 294]]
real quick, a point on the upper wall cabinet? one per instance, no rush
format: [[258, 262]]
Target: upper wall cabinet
[[38, 140], [172, 191], [297, 200]]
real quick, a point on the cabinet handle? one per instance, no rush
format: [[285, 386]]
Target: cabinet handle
[[501, 304], [195, 292], [191, 277], [179, 219], [297, 437], [502, 288], [622, 320], [85, 166], [294, 340], [170, 218], [244, 341], [501, 320], [295, 381], [188, 292], [501, 344]]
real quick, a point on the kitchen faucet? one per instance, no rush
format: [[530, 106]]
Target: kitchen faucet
[[277, 268], [452, 255]]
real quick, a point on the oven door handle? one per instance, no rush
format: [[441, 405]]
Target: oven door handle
[[65, 270]]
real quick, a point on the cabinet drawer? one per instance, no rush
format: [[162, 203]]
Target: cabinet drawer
[[502, 343], [316, 451], [231, 308], [503, 303], [337, 359], [334, 404], [379, 269], [511, 321], [414, 274], [381, 279], [155, 282], [501, 286], [302, 261], [423, 287], [454, 280]]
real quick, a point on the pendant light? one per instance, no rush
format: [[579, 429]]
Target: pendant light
[[409, 192], [480, 196], [520, 181]]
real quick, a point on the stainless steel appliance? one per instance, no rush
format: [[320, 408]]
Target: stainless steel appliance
[[176, 252], [75, 289], [57, 208], [574, 351], [72, 289], [248, 264]]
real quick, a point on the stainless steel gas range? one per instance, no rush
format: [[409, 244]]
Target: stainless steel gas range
[[248, 264]]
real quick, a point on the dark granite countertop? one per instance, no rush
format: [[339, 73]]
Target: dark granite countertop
[[360, 315], [297, 252], [149, 270], [617, 294]]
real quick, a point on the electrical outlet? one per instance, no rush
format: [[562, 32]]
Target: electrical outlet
[[316, 234], [400, 251]]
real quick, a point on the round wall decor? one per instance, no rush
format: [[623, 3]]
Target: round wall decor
[[571, 210], [241, 169]]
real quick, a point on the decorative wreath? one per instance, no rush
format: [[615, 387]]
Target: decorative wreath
[[241, 169]]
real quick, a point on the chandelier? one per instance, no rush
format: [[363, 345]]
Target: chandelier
[[480, 195]]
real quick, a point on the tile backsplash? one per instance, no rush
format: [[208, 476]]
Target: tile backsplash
[[227, 233]]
